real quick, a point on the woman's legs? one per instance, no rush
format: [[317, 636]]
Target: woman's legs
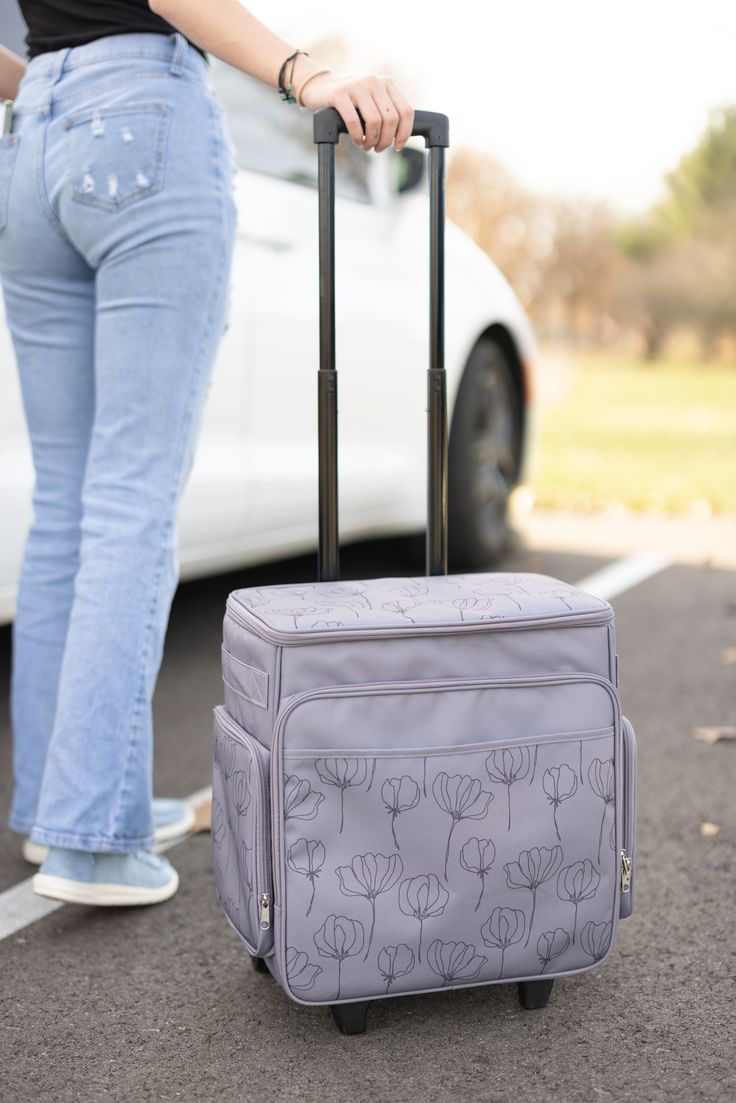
[[50, 306], [161, 265]]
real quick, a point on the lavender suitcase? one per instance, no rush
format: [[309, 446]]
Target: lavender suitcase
[[418, 783]]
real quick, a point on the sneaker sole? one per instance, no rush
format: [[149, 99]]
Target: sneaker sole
[[35, 853], [102, 895]]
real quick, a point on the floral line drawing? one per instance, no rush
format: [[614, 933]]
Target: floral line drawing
[[424, 775], [503, 928], [241, 792], [578, 882], [245, 875], [477, 604], [559, 784], [453, 961], [343, 773], [218, 823], [395, 962], [462, 798], [228, 906], [399, 794], [506, 766], [478, 856], [411, 588], [296, 612], [306, 857], [580, 755], [300, 972], [301, 802], [603, 783], [370, 875], [373, 774], [595, 939], [534, 763], [559, 596], [225, 753], [423, 897], [401, 607], [531, 870], [551, 944], [339, 938]]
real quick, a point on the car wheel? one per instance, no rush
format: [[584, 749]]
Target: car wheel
[[484, 457]]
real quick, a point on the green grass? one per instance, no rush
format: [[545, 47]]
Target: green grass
[[653, 437]]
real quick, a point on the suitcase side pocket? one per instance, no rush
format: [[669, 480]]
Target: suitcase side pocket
[[240, 832]]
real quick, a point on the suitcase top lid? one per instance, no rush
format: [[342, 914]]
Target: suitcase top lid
[[314, 611]]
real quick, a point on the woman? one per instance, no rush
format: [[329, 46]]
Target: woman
[[117, 221]]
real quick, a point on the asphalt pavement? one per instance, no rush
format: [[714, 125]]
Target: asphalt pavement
[[161, 1003]]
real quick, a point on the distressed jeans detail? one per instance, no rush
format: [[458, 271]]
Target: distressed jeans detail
[[115, 259]]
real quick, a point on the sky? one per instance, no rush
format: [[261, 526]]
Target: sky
[[576, 97], [580, 98]]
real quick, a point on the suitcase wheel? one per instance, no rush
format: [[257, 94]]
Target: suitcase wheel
[[259, 965], [534, 994], [350, 1018]]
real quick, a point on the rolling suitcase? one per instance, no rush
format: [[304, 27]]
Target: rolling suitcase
[[418, 783]]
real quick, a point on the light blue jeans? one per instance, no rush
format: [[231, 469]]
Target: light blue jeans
[[117, 222]]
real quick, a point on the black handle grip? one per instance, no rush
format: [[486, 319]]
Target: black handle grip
[[430, 125]]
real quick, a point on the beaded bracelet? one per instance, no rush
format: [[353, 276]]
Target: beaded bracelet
[[285, 89]]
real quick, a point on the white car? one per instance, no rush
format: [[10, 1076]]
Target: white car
[[252, 494]]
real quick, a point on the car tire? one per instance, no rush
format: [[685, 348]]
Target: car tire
[[484, 457]]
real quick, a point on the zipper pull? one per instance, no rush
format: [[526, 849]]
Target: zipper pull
[[625, 872], [264, 910]]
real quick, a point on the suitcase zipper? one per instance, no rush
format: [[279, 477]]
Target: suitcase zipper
[[360, 689], [625, 872], [247, 619], [264, 911], [629, 806]]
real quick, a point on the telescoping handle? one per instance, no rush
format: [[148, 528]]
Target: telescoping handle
[[434, 128]]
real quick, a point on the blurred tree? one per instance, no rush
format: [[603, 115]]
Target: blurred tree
[[559, 255], [502, 218], [704, 182], [582, 266], [685, 249]]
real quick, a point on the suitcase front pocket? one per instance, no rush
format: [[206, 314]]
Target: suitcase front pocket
[[240, 832], [440, 866]]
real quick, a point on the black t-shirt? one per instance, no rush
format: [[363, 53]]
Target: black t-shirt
[[53, 24]]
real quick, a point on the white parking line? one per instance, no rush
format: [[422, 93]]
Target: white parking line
[[624, 574], [20, 906]]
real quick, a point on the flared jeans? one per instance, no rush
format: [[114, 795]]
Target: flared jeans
[[117, 223]]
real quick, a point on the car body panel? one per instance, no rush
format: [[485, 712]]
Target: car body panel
[[252, 492]]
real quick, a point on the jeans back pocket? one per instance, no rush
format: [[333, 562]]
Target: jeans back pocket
[[8, 153], [116, 155]]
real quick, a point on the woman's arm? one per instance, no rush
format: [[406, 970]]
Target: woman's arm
[[12, 69], [229, 31]]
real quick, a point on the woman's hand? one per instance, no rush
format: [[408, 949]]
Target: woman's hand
[[388, 115], [228, 30]]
